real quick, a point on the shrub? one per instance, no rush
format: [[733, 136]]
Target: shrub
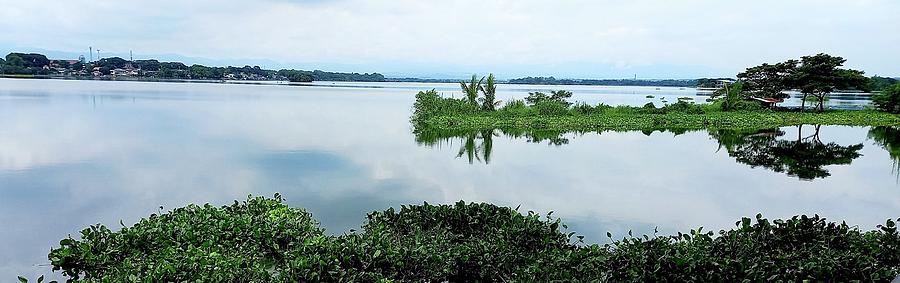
[[465, 242], [430, 104], [514, 104], [516, 107], [263, 240], [582, 108], [551, 108], [559, 96], [746, 105], [240, 242], [682, 107], [888, 100]]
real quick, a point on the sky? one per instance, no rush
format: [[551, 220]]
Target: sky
[[512, 38]]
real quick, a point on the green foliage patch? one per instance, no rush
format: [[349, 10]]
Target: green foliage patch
[[264, 240], [888, 100]]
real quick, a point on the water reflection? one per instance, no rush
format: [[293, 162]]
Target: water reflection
[[478, 145], [67, 163], [889, 139], [804, 157]]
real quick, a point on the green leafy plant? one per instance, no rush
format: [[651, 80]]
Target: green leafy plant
[[489, 101], [471, 89], [264, 240], [558, 96]]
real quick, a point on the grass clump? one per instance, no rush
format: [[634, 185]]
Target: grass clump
[[264, 240]]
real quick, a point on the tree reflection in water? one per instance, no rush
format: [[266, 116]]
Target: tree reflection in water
[[804, 157], [478, 145], [889, 139]]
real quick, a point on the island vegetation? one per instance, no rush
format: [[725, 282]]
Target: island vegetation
[[265, 240], [751, 102], [38, 65]]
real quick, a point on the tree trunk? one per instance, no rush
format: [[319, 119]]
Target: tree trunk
[[803, 103], [821, 105]]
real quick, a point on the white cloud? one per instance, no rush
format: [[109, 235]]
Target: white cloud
[[666, 37]]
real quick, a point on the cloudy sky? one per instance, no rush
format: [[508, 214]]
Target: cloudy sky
[[577, 38]]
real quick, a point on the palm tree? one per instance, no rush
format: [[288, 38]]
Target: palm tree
[[488, 102], [471, 90]]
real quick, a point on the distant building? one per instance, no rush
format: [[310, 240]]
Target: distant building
[[123, 72], [767, 101]]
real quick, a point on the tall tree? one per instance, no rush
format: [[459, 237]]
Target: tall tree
[[471, 90], [489, 101], [14, 64], [820, 75], [769, 81]]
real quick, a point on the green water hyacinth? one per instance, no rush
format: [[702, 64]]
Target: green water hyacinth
[[264, 240]]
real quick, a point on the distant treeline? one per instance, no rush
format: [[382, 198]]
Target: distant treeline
[[875, 83], [418, 80], [39, 64], [608, 82]]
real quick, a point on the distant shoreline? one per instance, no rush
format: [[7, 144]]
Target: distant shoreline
[[838, 94], [280, 82]]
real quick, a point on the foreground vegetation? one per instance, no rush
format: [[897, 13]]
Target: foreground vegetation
[[263, 240]]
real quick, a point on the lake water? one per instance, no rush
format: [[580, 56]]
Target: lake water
[[76, 153]]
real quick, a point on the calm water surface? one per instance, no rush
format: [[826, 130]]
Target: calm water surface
[[76, 153]]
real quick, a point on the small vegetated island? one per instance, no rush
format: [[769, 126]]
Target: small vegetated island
[[750, 102]]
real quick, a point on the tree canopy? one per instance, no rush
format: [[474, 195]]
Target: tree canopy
[[888, 100], [819, 75], [816, 75], [767, 80], [877, 83]]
